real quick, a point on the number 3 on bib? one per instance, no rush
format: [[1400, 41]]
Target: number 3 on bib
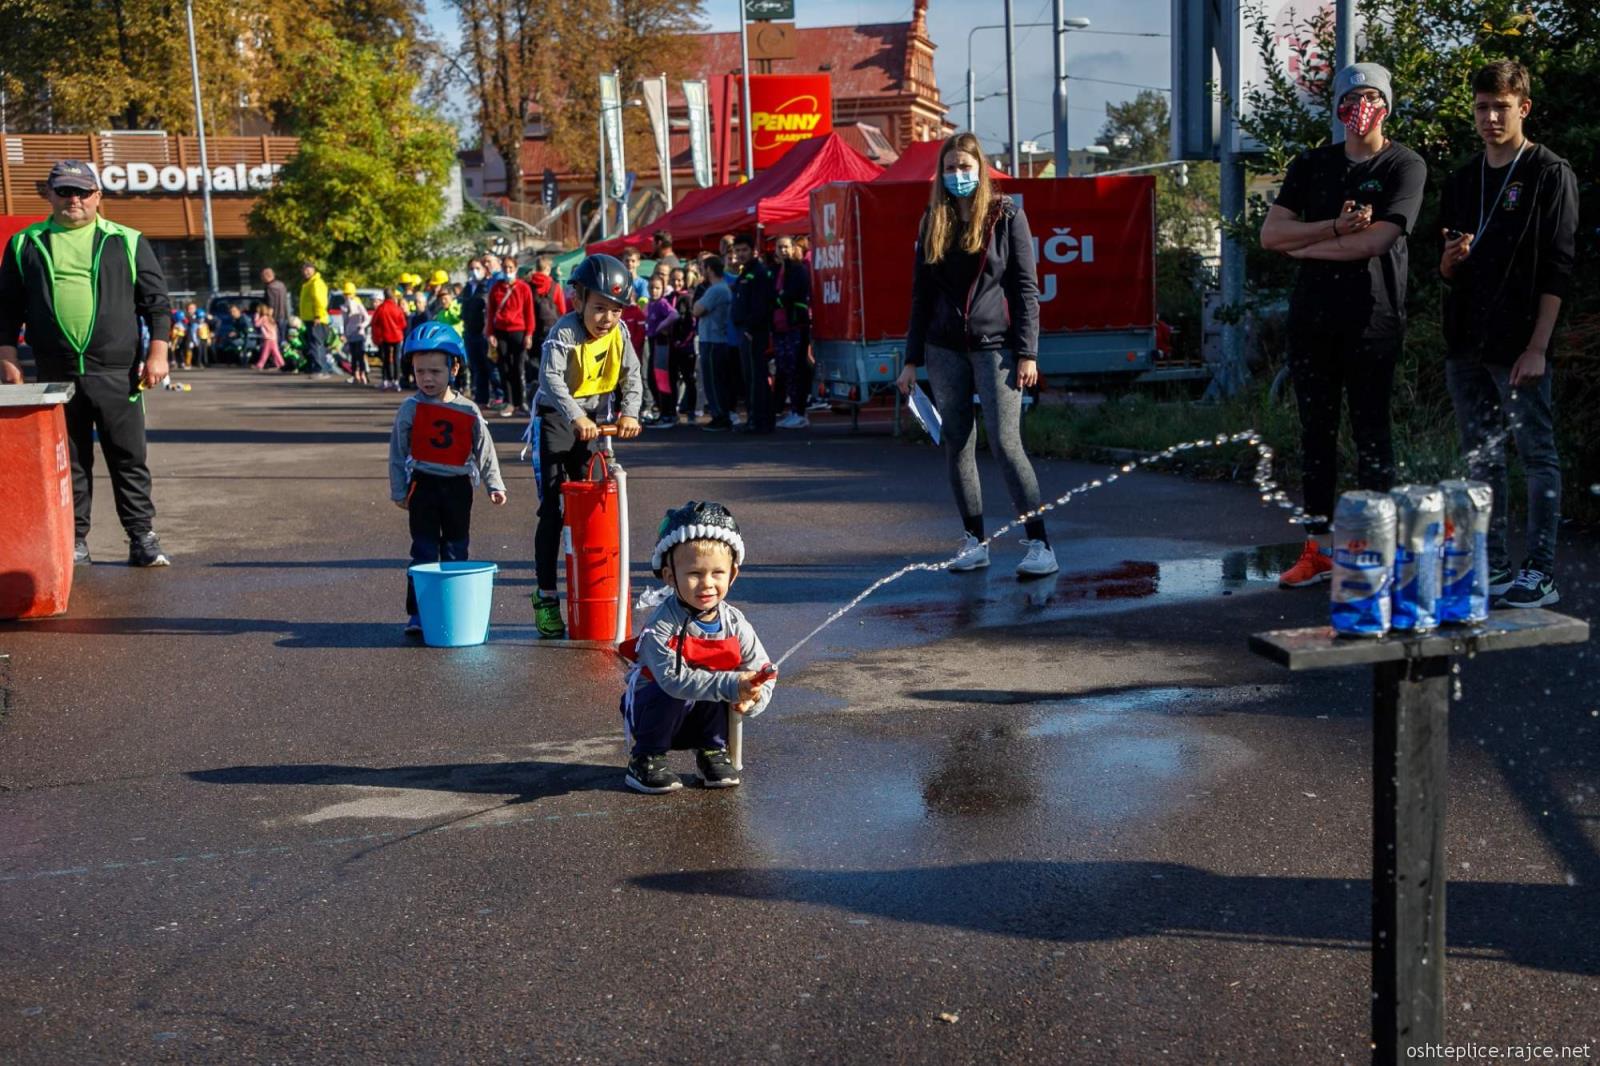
[[442, 435]]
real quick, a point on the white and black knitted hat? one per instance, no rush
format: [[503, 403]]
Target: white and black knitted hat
[[697, 521]]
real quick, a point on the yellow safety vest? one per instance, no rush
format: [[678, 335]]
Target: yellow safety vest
[[594, 366]]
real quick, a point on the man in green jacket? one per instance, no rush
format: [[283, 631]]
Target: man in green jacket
[[81, 285]]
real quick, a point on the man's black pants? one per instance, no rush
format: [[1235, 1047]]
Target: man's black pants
[[100, 402], [1328, 369], [513, 349]]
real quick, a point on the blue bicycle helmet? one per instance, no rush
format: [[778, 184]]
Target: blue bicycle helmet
[[435, 337]]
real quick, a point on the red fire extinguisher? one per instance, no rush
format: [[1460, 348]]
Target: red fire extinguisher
[[594, 539]]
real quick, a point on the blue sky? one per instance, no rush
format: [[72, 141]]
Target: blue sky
[[1099, 54]]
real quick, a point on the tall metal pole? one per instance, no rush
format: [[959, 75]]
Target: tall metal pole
[[972, 92], [1344, 53], [744, 98], [205, 168], [1011, 90], [1229, 376], [1063, 143]]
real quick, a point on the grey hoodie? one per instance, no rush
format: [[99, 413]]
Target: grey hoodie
[[565, 335], [485, 465], [658, 654]]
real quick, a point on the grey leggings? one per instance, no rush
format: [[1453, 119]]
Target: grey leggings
[[955, 376]]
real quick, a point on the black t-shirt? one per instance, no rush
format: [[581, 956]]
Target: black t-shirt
[[1364, 297], [1525, 223]]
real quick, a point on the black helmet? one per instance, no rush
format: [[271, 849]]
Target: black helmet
[[605, 276], [696, 521]]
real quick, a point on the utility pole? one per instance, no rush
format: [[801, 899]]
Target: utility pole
[[205, 168], [1011, 89], [744, 97], [1344, 53]]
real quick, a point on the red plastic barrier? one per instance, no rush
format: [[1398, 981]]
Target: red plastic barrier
[[35, 501], [591, 540]]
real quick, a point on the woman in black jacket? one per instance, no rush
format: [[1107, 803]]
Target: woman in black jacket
[[975, 324]]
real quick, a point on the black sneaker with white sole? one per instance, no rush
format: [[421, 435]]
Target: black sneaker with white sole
[[1532, 588], [145, 550], [649, 773], [716, 769], [1501, 578]]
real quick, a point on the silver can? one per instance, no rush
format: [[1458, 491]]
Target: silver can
[[1418, 557], [1464, 594], [1363, 564]]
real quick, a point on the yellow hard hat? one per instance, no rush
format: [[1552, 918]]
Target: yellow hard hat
[[348, 288], [441, 278]]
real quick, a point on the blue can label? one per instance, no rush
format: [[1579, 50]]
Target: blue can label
[[1362, 579], [1465, 597], [1417, 579]]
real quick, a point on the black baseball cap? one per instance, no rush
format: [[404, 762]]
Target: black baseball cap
[[73, 174]]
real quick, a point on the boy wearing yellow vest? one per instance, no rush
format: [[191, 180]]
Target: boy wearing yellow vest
[[588, 373]]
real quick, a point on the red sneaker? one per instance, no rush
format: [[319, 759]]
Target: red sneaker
[[1314, 567]]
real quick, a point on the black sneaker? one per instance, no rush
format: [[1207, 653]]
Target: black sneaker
[[720, 424], [80, 552], [716, 769], [145, 550], [1501, 578], [1532, 588], [649, 773]]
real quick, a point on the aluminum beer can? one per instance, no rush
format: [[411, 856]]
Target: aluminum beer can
[[1418, 557], [1464, 596], [1363, 563]]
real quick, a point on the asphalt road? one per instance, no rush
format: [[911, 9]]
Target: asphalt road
[[242, 819]]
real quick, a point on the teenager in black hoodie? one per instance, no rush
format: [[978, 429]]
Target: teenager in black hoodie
[[1510, 219]]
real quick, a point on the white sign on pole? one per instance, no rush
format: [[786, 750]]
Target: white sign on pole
[[611, 121], [654, 92], [697, 96]]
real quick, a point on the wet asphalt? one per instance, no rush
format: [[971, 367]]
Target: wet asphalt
[[243, 819]]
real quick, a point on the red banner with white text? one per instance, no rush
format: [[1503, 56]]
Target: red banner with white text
[[1094, 243]]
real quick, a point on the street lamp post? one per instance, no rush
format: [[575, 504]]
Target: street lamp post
[[1066, 25], [1011, 89], [205, 168], [1063, 24]]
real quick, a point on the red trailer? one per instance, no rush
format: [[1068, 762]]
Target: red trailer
[[1094, 239]]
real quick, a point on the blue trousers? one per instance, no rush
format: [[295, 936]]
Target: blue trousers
[[661, 723]]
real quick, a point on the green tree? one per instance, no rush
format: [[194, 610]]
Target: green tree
[[86, 65], [362, 196], [528, 61]]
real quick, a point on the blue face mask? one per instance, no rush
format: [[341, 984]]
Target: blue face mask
[[962, 183]]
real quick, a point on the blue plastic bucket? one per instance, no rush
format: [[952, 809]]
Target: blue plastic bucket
[[453, 600]]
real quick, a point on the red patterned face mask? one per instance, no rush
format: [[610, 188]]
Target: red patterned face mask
[[1361, 114]]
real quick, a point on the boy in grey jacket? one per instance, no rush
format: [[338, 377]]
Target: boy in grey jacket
[[439, 449], [698, 660], [588, 371]]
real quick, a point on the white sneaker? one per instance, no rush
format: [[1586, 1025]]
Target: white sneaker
[[793, 421], [1039, 561], [973, 555]]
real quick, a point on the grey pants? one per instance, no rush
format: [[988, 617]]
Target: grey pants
[[955, 376], [1485, 407]]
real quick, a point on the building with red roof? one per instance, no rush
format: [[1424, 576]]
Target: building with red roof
[[885, 98]]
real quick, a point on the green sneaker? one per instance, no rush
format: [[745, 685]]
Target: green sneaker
[[547, 617]]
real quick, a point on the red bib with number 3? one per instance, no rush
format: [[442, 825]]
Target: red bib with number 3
[[442, 434]]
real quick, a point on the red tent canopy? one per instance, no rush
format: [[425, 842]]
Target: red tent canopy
[[779, 200], [919, 161], [641, 238]]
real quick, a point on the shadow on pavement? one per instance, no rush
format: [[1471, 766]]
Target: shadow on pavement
[[1089, 901], [524, 781], [292, 634]]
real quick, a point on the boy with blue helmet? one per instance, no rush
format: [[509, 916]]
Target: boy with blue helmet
[[439, 449]]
